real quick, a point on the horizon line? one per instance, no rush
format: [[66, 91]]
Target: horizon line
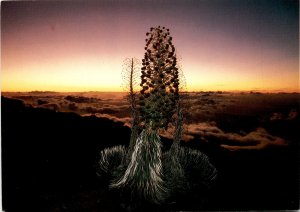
[[193, 91]]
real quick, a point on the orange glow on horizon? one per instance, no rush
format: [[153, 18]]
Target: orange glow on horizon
[[75, 75]]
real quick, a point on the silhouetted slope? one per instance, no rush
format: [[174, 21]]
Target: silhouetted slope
[[47, 154], [49, 164]]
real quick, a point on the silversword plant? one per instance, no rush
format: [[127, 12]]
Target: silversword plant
[[143, 169]]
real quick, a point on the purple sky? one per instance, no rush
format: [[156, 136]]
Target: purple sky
[[80, 46]]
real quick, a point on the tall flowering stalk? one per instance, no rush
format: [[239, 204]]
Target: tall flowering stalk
[[159, 80], [131, 68]]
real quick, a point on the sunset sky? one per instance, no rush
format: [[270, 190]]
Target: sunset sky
[[80, 46]]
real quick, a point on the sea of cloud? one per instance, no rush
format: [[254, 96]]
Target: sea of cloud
[[235, 121]]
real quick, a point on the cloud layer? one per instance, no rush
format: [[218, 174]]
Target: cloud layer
[[255, 140], [233, 121]]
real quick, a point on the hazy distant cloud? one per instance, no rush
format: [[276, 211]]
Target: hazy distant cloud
[[255, 140], [82, 105], [82, 99], [112, 109], [41, 102], [203, 107], [73, 106], [170, 132], [90, 109], [51, 106], [204, 128], [259, 139], [126, 120], [107, 110]]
